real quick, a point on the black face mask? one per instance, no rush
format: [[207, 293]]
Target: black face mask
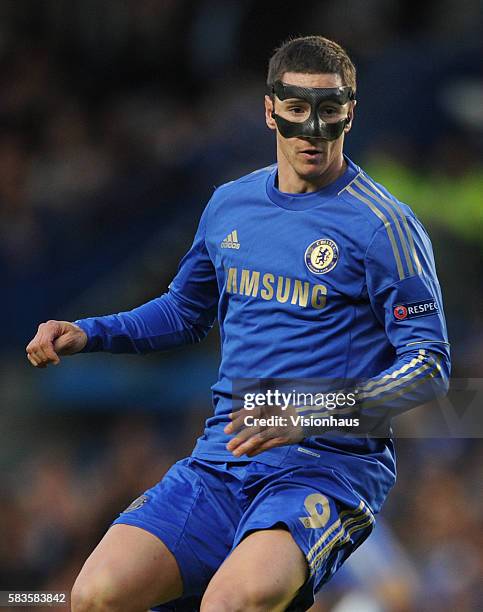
[[313, 126]]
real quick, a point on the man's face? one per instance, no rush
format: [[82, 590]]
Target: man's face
[[309, 157]]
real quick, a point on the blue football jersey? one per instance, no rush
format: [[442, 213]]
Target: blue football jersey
[[339, 283]]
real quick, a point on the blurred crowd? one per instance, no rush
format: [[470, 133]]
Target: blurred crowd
[[117, 118], [425, 554], [107, 108]]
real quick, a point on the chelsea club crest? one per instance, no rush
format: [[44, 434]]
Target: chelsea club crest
[[322, 256]]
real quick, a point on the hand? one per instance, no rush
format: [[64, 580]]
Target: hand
[[54, 339], [262, 428]]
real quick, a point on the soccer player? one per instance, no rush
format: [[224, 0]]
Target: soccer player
[[313, 271]]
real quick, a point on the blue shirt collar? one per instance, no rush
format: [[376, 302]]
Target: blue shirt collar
[[304, 201]]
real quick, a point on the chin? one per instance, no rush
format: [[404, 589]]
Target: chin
[[309, 171]]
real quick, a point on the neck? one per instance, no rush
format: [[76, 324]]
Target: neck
[[291, 182]]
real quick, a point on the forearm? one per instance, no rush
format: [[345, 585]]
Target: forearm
[[416, 378], [163, 323]]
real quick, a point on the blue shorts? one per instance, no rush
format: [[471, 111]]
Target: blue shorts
[[202, 509]]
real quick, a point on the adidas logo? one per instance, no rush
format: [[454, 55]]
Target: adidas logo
[[231, 241]]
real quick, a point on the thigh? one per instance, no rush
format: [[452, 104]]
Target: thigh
[[326, 520], [264, 572], [130, 568], [194, 511]]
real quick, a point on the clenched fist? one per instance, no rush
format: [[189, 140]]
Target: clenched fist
[[53, 339]]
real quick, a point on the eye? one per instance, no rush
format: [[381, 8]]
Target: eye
[[296, 110]]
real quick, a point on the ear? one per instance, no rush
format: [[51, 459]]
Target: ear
[[269, 120], [350, 114]]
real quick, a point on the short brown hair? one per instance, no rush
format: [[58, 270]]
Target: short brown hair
[[313, 55]]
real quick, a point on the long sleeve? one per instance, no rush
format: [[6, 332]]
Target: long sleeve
[[409, 306], [406, 300], [183, 315]]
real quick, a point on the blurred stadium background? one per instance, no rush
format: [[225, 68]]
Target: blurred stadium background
[[117, 117]]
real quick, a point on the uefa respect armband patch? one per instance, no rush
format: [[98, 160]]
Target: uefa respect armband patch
[[424, 308]]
